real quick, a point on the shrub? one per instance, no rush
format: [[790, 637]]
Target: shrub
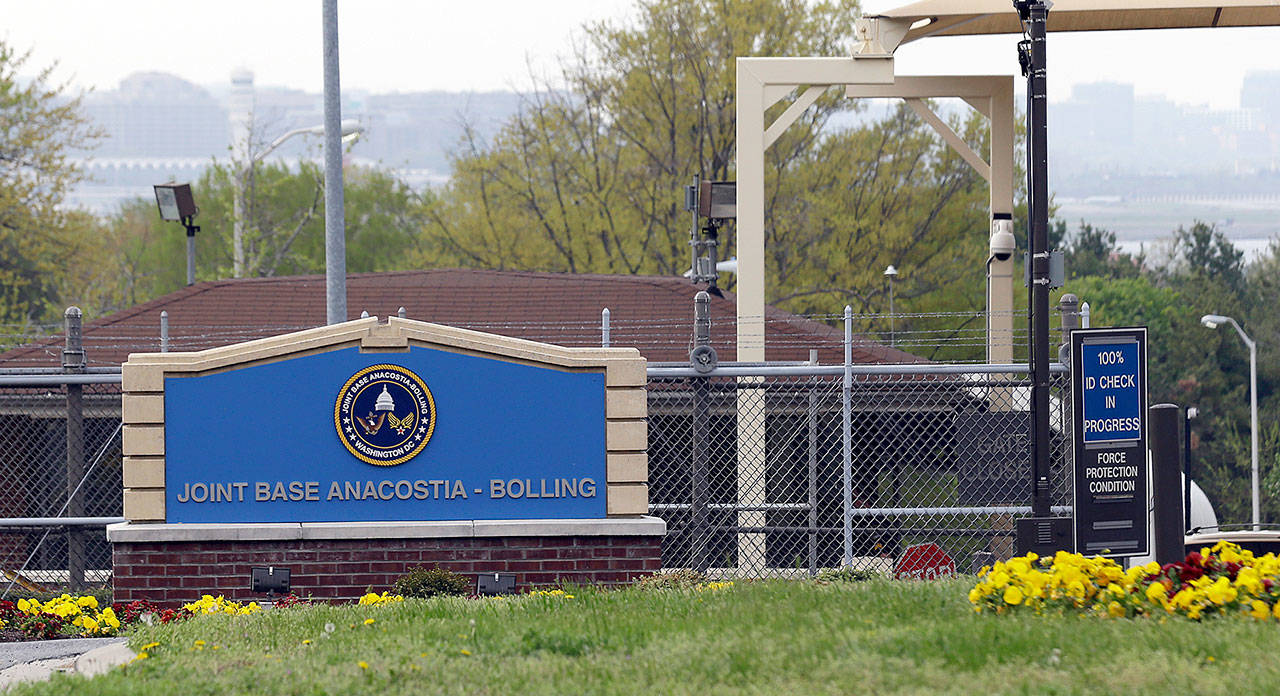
[[292, 600], [678, 579], [42, 626], [432, 582], [845, 575]]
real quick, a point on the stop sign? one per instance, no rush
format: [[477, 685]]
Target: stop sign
[[924, 562]]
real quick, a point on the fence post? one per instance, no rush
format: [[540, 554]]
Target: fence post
[[164, 332], [846, 410], [604, 327], [1166, 470], [402, 313], [698, 523], [73, 362], [812, 413], [1069, 308]]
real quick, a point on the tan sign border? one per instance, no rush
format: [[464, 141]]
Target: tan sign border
[[626, 409]]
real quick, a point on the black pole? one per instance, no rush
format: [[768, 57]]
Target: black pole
[[1032, 58], [1165, 471]]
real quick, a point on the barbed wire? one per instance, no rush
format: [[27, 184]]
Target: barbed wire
[[43, 343]]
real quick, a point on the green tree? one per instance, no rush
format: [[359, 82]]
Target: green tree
[[588, 177], [41, 128], [1204, 252], [144, 257], [1093, 252]]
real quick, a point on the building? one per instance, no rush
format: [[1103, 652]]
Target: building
[[651, 313]]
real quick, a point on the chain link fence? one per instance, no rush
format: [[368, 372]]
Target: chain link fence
[[756, 475], [60, 480], [764, 470]]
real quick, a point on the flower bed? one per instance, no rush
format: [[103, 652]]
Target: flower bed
[[62, 616], [1222, 580]]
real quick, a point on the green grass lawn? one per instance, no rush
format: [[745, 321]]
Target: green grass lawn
[[778, 637]]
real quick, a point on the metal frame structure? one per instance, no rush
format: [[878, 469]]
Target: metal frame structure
[[764, 82]]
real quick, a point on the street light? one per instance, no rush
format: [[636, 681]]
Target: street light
[[351, 129], [889, 273], [1213, 321], [177, 205]]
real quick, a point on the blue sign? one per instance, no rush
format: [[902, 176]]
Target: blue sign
[[1111, 391], [347, 436], [1109, 404]]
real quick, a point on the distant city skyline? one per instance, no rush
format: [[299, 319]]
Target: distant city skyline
[[492, 45]]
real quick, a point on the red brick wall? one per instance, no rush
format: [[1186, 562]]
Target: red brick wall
[[172, 573]]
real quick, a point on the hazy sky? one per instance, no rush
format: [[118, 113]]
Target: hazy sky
[[490, 44]]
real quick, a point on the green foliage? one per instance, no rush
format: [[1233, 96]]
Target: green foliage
[[588, 177], [284, 213], [1093, 252], [141, 257], [432, 582], [848, 574], [675, 579], [41, 128], [1190, 365], [1203, 251]]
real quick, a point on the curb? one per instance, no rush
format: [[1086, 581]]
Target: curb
[[104, 659]]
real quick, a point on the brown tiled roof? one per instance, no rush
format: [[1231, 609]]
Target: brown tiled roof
[[652, 313]]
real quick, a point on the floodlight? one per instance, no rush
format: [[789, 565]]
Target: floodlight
[[718, 200], [175, 202]]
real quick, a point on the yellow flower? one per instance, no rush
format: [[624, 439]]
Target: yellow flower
[[1221, 591], [1156, 593], [368, 621], [307, 641], [198, 645], [466, 652], [142, 656], [1114, 609], [363, 664], [150, 646], [88, 601], [1260, 610], [1012, 595]]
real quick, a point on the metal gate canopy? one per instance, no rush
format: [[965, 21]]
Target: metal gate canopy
[[1032, 19], [976, 17]]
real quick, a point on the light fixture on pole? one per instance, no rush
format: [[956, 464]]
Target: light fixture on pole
[[177, 205], [351, 129], [890, 273], [1213, 321]]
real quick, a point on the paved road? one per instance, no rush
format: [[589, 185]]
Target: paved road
[[18, 653]]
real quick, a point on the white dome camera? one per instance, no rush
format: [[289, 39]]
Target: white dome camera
[[1002, 241]]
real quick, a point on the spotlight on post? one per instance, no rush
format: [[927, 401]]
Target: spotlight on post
[[177, 205], [717, 203]]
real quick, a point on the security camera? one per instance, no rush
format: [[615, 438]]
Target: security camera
[[1002, 242]]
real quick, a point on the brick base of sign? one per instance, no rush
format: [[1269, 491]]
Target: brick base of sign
[[173, 573]]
